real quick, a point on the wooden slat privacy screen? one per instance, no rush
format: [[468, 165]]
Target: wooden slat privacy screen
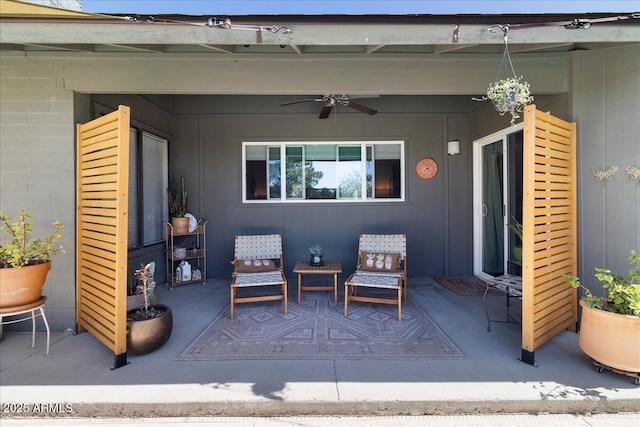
[[549, 305], [101, 228]]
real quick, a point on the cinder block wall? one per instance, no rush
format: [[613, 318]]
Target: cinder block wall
[[37, 162]]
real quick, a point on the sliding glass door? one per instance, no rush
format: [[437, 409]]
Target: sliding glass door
[[497, 198]]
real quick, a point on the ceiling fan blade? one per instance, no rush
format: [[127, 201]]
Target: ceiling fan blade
[[360, 107], [300, 101], [326, 110]]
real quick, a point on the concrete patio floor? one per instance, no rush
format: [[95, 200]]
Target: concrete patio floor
[[77, 376]]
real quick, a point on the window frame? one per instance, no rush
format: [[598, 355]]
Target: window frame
[[139, 214], [364, 145]]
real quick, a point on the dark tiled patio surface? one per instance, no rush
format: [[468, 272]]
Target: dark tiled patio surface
[[491, 380]]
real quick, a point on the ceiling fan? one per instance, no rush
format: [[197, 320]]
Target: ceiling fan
[[330, 101]]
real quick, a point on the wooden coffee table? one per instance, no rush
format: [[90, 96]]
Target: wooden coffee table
[[329, 267]]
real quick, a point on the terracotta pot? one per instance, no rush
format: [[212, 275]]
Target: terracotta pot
[[180, 225], [22, 286], [610, 338], [145, 336]]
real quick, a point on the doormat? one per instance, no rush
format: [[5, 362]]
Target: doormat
[[466, 286], [316, 329]]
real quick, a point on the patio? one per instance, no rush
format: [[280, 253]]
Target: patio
[[490, 380]]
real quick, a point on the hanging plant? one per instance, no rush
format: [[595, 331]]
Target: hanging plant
[[510, 94]]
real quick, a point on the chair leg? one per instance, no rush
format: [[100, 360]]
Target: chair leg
[[405, 286], [233, 293], [400, 304], [346, 300], [284, 293]]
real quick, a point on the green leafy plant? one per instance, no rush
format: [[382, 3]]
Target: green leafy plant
[[178, 199], [516, 227], [623, 294], [508, 95], [21, 249], [315, 250]]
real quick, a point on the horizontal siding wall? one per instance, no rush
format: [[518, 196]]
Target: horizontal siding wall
[[607, 86], [435, 215]]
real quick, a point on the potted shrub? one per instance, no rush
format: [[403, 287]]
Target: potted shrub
[[316, 255], [178, 207], [24, 261], [149, 326], [610, 326]]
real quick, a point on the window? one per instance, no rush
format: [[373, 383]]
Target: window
[[148, 205], [323, 171]]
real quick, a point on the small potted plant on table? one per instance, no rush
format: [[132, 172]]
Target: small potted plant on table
[[610, 326], [316, 255]]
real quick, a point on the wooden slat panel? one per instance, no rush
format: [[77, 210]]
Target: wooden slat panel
[[549, 227], [103, 173]]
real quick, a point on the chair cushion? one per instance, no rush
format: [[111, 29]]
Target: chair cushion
[[258, 279], [379, 261], [254, 266]]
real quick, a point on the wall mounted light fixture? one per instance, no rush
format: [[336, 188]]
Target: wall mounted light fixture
[[453, 147]]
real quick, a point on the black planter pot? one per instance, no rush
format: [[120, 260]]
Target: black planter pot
[[316, 260], [145, 336]]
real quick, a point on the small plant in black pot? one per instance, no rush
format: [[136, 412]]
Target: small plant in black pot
[[316, 255]]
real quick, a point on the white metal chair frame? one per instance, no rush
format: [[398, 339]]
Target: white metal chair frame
[[258, 247], [396, 279]]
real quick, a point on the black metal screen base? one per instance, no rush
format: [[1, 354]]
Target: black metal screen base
[[119, 360], [528, 357]]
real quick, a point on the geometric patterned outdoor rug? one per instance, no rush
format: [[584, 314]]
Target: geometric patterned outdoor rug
[[316, 329], [466, 285]]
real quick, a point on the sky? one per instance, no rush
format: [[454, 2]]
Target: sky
[[354, 7]]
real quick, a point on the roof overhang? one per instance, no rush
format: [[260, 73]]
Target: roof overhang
[[32, 28]]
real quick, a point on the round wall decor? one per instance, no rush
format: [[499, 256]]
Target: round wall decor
[[427, 168]]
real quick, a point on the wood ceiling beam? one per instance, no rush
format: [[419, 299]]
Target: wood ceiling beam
[[99, 32], [137, 47], [535, 47], [371, 49], [451, 48], [295, 48], [217, 48]]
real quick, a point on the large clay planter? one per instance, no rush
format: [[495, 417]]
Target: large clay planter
[[610, 338], [145, 336], [22, 286]]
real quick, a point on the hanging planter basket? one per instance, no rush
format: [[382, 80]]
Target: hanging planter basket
[[510, 94]]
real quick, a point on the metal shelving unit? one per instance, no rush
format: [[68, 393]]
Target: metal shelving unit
[[196, 254]]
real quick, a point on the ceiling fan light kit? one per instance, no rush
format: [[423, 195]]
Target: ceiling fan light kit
[[331, 101]]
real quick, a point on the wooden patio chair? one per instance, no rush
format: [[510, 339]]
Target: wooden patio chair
[[382, 263], [258, 262]]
